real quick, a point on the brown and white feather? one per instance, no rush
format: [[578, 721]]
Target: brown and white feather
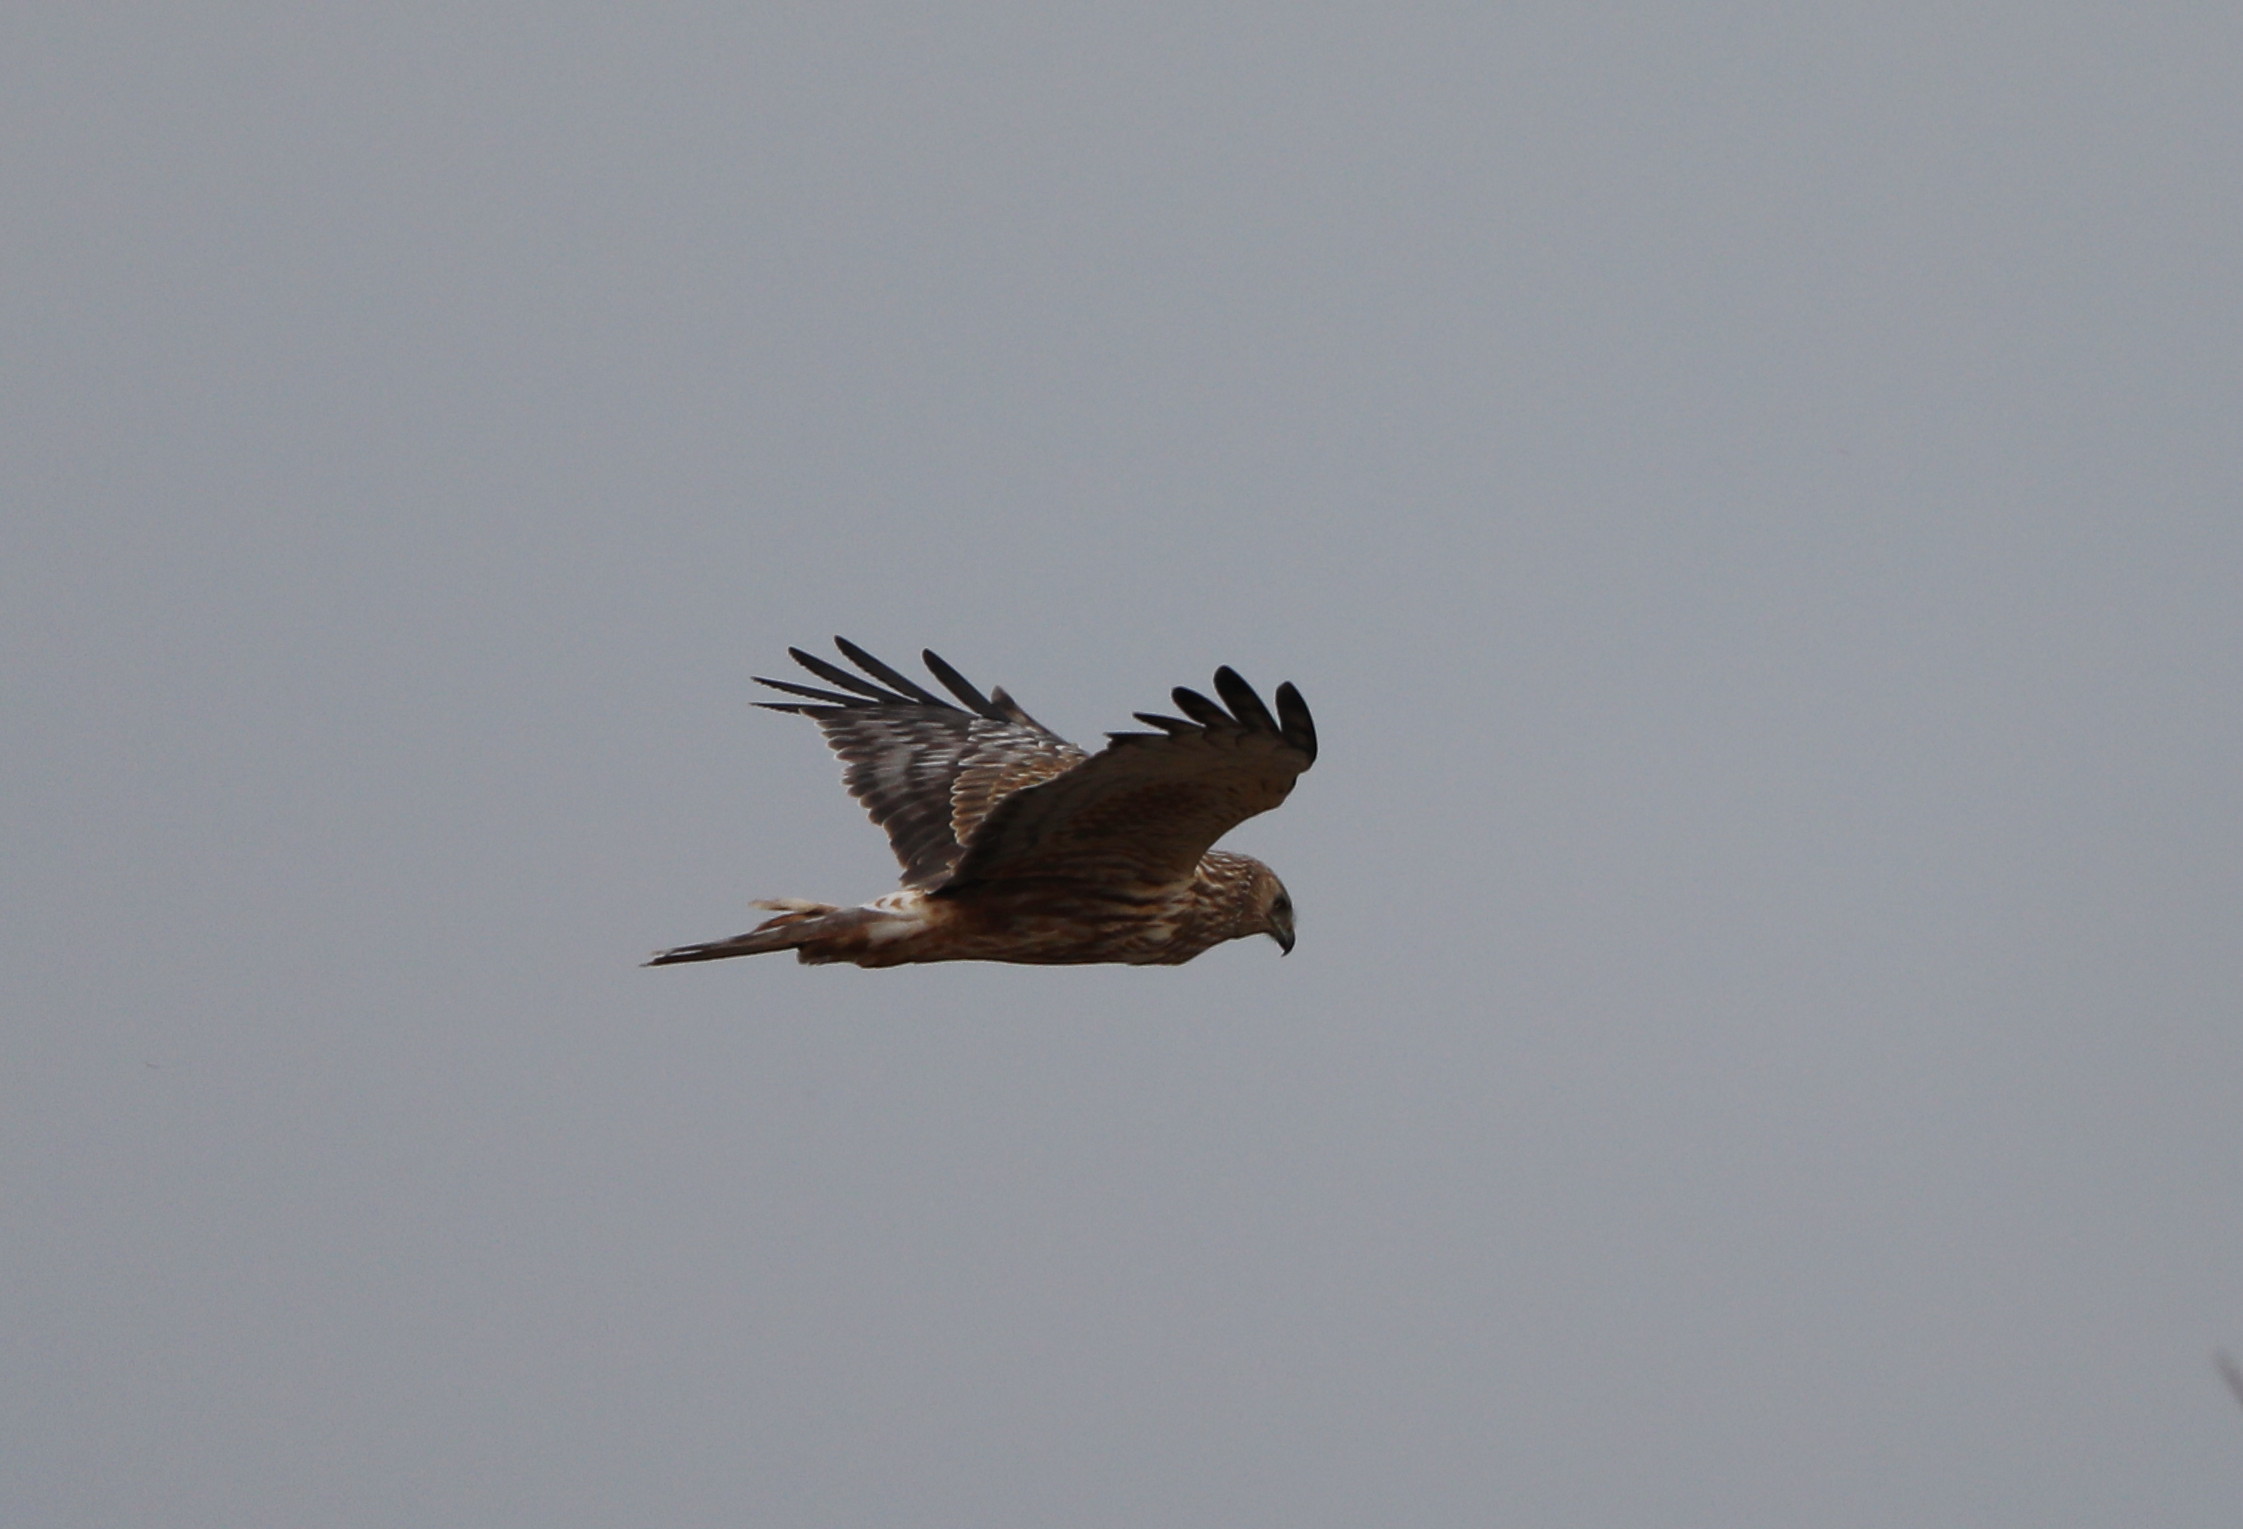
[[1018, 846], [927, 771]]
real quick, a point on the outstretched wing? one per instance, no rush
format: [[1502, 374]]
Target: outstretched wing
[[927, 771], [1145, 809]]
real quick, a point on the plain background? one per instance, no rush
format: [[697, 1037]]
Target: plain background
[[1751, 492]]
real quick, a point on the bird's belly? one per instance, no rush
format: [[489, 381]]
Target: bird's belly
[[1038, 927]]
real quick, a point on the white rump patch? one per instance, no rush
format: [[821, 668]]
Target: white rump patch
[[902, 913]]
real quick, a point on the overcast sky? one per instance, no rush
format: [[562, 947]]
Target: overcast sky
[[1753, 494]]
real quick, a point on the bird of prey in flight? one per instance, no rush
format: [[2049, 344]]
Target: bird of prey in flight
[[1018, 846]]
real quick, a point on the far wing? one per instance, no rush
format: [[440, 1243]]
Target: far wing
[[1144, 810], [928, 771]]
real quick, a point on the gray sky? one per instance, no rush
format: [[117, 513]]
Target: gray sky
[[1751, 493]]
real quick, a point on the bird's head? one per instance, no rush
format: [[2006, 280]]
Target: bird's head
[[1281, 922], [1274, 905], [1253, 900]]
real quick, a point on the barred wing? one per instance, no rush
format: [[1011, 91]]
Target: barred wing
[[1145, 809], [929, 772]]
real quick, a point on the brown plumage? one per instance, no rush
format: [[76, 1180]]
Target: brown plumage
[[1018, 846]]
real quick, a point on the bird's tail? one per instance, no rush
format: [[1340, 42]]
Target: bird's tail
[[801, 927]]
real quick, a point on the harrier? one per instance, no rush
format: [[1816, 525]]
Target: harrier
[[1018, 846]]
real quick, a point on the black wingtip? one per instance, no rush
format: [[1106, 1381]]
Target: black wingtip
[[1294, 721], [961, 687], [827, 669], [1243, 702], [902, 684], [823, 697], [1006, 709], [1247, 711], [1200, 709]]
